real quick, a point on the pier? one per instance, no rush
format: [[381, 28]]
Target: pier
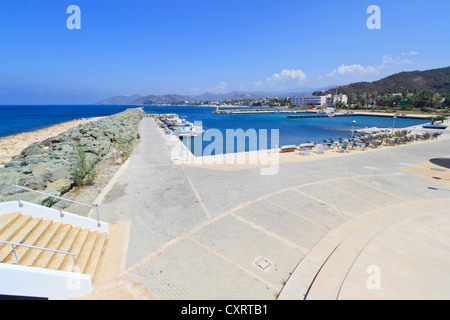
[[357, 114]]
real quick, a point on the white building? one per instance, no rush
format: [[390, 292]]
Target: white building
[[303, 100], [329, 99]]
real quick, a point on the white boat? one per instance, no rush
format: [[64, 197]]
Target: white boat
[[188, 131], [176, 122]]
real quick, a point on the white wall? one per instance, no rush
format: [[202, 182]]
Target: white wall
[[42, 283], [53, 214]]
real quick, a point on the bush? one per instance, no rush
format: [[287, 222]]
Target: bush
[[126, 143], [407, 107], [83, 170]]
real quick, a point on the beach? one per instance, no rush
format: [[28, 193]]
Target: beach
[[11, 146]]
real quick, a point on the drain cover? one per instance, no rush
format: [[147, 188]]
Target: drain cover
[[263, 263]]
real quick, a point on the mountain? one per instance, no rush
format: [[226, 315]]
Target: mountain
[[126, 100], [437, 80], [207, 96]]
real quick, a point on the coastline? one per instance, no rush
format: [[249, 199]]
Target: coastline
[[260, 158], [12, 145]]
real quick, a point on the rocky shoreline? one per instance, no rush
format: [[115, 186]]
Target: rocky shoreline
[[47, 166]]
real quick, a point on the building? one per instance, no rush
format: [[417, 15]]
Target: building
[[303, 100], [327, 100]]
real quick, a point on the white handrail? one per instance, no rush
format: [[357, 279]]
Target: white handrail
[[53, 196], [39, 248]]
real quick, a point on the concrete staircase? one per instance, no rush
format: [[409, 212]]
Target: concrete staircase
[[45, 233], [324, 273]]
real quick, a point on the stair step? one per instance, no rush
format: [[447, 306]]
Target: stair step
[[83, 257], [96, 253], [19, 237], [66, 244], [67, 264], [45, 257], [30, 240], [24, 229], [13, 229], [6, 220], [31, 255]]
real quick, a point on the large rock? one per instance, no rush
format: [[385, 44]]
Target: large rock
[[41, 199], [10, 177], [13, 164], [61, 186], [42, 169], [32, 150], [35, 183]]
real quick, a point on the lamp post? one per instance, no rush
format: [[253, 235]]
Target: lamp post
[[353, 128], [393, 124]]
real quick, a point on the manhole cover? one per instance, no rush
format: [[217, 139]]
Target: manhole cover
[[263, 263]]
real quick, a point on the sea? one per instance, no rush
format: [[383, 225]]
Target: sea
[[273, 128]]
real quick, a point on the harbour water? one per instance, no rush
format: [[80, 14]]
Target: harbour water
[[290, 131], [18, 119]]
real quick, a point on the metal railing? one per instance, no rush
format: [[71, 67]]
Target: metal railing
[[14, 244], [59, 199]]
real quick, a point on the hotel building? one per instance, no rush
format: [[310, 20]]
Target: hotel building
[[327, 100]]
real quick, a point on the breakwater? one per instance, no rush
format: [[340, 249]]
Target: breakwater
[[47, 165]]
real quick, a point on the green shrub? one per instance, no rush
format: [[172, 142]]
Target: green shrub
[[83, 170], [126, 143], [407, 107]]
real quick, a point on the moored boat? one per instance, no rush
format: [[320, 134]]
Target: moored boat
[[434, 126]]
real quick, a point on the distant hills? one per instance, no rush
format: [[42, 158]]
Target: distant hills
[[205, 97], [437, 80]]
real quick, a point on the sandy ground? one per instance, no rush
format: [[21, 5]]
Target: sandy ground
[[11, 146]]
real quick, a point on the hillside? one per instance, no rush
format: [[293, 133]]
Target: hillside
[[176, 98], [437, 80]]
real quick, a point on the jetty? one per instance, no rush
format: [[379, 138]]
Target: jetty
[[356, 114]]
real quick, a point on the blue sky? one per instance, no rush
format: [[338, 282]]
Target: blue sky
[[190, 47]]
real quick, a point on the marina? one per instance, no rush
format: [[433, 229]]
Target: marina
[[179, 126], [356, 114]]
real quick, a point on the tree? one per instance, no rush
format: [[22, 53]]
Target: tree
[[405, 93], [446, 102], [439, 117]]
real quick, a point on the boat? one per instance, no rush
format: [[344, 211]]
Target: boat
[[289, 148], [188, 131], [434, 126]]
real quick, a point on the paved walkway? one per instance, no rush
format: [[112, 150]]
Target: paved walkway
[[357, 226]]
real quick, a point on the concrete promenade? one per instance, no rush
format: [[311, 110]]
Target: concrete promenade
[[371, 225]]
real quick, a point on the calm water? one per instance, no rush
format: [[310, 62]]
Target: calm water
[[291, 131], [18, 119]]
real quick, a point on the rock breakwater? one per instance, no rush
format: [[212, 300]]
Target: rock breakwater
[[47, 166]]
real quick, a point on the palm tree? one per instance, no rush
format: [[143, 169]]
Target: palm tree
[[439, 117]]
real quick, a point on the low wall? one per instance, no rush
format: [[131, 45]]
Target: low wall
[[33, 282], [53, 214]]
